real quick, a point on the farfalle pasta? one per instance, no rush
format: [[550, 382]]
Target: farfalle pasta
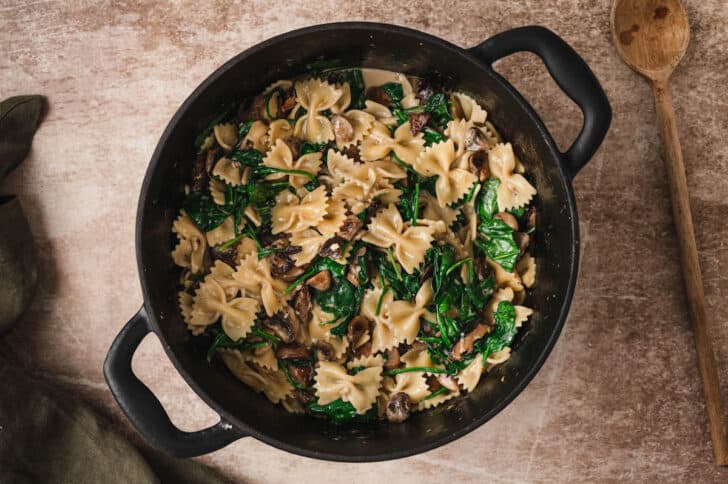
[[354, 251]]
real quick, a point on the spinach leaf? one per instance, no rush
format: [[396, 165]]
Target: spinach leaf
[[503, 332], [402, 284], [356, 86], [203, 211], [438, 105], [262, 196], [501, 250], [433, 137], [206, 132], [486, 203], [311, 147], [517, 212], [339, 411], [244, 128], [222, 340], [251, 157], [317, 265], [409, 201], [495, 228], [394, 90], [341, 301]]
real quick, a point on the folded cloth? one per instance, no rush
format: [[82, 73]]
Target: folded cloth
[[45, 436]]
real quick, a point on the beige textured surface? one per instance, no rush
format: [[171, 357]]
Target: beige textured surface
[[619, 398]]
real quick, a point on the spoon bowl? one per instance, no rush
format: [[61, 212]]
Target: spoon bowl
[[651, 36]]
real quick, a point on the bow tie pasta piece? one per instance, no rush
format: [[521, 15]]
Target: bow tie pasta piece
[[457, 131], [469, 376], [273, 384], [257, 137], [238, 315], [226, 136], [522, 315], [310, 242], [217, 190], [319, 330], [293, 213], [229, 171], [343, 169], [410, 242], [380, 112], [358, 184], [186, 301], [222, 233], [497, 358], [281, 157], [342, 104], [466, 108], [351, 127], [264, 357], [379, 144], [254, 277], [333, 219], [432, 210], [435, 401], [452, 183], [278, 130], [504, 278], [365, 361], [526, 268], [404, 316], [388, 169], [413, 384], [382, 334], [223, 275], [418, 357], [361, 390], [315, 96], [514, 190], [192, 246]]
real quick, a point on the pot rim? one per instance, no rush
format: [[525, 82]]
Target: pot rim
[[529, 373]]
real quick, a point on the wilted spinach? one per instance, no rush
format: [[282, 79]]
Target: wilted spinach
[[339, 411], [439, 106], [499, 244], [503, 332]]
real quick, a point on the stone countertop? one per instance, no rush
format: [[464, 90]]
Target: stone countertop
[[620, 396]]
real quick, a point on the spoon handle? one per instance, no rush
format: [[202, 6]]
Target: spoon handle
[[692, 276]]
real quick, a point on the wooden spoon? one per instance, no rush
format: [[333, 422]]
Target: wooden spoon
[[651, 36]]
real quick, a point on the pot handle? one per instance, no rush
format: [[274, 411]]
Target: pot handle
[[571, 74], [144, 409]]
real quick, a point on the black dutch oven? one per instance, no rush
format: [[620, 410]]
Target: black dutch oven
[[245, 413]]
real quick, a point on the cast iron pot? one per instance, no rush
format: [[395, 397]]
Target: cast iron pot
[[245, 413]]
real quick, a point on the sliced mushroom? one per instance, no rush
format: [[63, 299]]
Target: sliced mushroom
[[325, 351], [430, 84], [302, 304], [289, 102], [398, 407], [523, 240], [281, 327], [448, 382], [199, 175], [465, 345], [211, 159], [508, 218], [292, 317], [320, 281], [293, 274], [478, 164], [229, 256], [358, 327], [531, 219], [363, 350], [475, 140], [350, 227], [482, 271], [303, 375], [280, 264], [343, 130], [379, 95], [293, 351], [426, 273], [392, 359], [418, 121], [332, 248]]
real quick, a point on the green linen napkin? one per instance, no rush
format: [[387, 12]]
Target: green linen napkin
[[46, 435]]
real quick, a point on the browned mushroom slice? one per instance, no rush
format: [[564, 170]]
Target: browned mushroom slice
[[379, 95], [343, 130], [523, 240], [293, 274], [350, 227], [398, 407], [363, 350], [482, 271], [357, 329], [392, 359], [281, 327], [302, 304], [211, 159], [332, 248], [289, 102], [478, 164], [465, 345], [448, 382], [475, 140], [426, 273], [280, 264], [229, 256], [303, 375], [531, 219], [199, 174], [418, 121], [293, 351], [508, 218], [325, 351], [320, 281]]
